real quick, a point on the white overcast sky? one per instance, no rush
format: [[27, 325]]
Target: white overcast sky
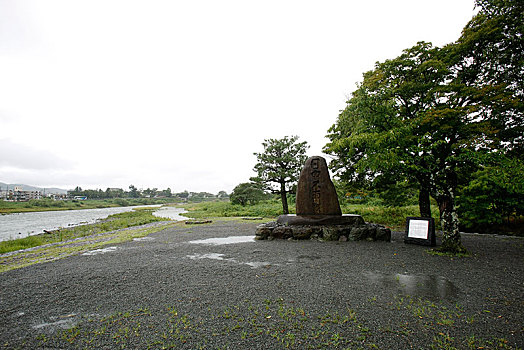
[[180, 94]]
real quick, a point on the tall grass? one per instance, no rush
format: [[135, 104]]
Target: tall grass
[[227, 209], [394, 217], [21, 243]]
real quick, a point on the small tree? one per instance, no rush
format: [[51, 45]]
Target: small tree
[[183, 195], [247, 193], [167, 193], [279, 166], [133, 192], [222, 194]]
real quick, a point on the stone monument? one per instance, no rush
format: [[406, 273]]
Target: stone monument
[[316, 194], [318, 212]]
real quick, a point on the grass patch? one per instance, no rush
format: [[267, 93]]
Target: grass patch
[[21, 243], [448, 254], [266, 209]]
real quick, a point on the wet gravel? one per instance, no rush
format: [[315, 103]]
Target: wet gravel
[[193, 287]]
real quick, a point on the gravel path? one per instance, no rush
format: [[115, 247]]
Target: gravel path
[[166, 290]]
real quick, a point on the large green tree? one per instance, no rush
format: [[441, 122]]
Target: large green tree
[[279, 165], [433, 115], [378, 137]]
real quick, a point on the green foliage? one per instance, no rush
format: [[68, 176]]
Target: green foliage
[[494, 197], [111, 193], [247, 193], [278, 166], [432, 116], [397, 129]]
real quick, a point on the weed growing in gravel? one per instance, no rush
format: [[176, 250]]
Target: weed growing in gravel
[[277, 323], [448, 254], [439, 320]]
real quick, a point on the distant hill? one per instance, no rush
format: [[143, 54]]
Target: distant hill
[[3, 187]]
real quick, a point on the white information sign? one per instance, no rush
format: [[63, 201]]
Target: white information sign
[[418, 229]]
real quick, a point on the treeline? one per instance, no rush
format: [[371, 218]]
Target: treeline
[[113, 193]]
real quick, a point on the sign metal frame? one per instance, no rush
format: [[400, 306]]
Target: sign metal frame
[[420, 230]]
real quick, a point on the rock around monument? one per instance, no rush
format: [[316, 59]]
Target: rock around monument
[[318, 212]]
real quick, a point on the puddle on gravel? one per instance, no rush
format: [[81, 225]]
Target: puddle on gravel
[[428, 286], [221, 257], [140, 239], [100, 251], [226, 240], [257, 264], [212, 256], [63, 322]]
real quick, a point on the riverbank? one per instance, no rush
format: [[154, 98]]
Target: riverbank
[[52, 205], [137, 217], [195, 287], [43, 253]]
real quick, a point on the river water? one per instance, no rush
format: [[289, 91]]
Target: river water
[[172, 213], [25, 224]]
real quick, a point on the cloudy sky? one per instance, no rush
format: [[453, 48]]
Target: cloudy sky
[[180, 94]]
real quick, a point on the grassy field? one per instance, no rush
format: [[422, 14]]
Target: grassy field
[[49, 204], [137, 217], [393, 217]]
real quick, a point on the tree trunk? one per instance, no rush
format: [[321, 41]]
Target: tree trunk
[[284, 198], [449, 223], [424, 204]]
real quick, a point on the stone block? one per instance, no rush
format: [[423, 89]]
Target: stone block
[[383, 234], [282, 232], [330, 233], [305, 232], [263, 232]]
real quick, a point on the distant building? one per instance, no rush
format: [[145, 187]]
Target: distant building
[[19, 195]]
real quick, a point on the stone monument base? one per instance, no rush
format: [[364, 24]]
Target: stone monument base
[[316, 220], [323, 227]]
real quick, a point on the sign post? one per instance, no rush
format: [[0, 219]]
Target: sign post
[[420, 231]]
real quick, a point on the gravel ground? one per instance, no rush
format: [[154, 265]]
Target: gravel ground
[[168, 291]]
